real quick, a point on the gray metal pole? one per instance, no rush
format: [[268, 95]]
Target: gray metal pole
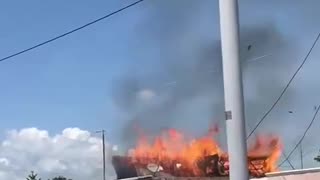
[[234, 104], [103, 154], [301, 155]]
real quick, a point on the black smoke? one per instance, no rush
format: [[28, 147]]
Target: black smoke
[[187, 82]]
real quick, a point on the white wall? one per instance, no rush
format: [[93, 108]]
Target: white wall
[[308, 174]]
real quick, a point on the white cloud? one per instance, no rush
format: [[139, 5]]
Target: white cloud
[[74, 153], [4, 161], [146, 94], [114, 148]]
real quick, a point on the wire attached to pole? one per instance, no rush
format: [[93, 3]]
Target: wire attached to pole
[[285, 89], [301, 139]]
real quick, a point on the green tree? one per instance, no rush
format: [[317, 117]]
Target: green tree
[[33, 176], [317, 158]]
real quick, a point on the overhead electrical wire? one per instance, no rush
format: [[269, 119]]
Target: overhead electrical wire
[[301, 139], [135, 3], [285, 89], [285, 156], [71, 31]]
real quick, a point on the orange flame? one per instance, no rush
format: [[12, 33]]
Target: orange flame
[[269, 146], [172, 145]]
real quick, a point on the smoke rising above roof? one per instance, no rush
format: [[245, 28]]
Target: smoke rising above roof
[[186, 85]]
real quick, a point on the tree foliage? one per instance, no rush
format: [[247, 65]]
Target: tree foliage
[[33, 176], [60, 178]]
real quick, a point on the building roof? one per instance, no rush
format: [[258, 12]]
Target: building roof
[[300, 174]]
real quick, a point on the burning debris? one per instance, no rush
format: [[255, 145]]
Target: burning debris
[[173, 154]]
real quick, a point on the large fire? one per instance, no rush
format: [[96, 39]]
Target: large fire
[[191, 154]]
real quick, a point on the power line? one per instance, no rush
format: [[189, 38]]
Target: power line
[[286, 88], [301, 139], [285, 156], [71, 31]]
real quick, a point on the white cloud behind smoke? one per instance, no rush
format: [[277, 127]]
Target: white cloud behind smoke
[[73, 153]]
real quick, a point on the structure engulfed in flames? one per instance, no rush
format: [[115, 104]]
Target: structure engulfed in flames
[[180, 156]]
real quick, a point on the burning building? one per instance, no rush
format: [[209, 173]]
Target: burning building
[[172, 154]]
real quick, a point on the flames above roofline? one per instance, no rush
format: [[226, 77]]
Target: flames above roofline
[[211, 166]]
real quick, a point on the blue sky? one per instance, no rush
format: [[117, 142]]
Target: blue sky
[[66, 83], [70, 82]]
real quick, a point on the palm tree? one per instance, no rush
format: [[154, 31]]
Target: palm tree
[[33, 176]]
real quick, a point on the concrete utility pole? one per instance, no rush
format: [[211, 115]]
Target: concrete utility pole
[[103, 154], [232, 78]]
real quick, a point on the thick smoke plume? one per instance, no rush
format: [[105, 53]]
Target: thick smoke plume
[[185, 89]]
